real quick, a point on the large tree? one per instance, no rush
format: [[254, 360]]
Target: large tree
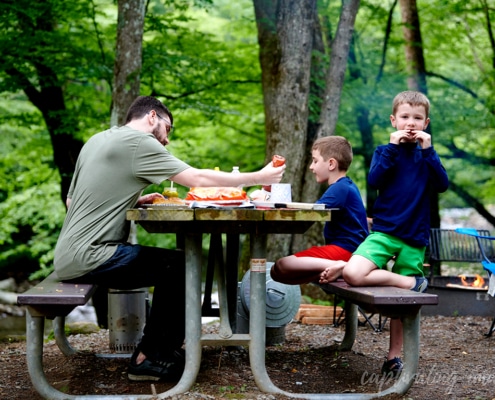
[[286, 56]]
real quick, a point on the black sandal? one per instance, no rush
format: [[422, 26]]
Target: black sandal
[[392, 367]]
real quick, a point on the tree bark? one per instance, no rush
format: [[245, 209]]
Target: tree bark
[[128, 59], [285, 36], [417, 74], [329, 97], [338, 65], [414, 46]]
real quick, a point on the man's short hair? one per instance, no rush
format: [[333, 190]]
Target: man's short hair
[[143, 105]]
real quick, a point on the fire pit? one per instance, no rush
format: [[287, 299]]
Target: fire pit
[[460, 295]]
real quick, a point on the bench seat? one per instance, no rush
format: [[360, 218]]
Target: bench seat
[[52, 298], [391, 302]]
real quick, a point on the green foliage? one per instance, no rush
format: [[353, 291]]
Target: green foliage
[[201, 59]]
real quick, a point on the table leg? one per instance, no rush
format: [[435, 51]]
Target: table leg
[[193, 315], [257, 314]]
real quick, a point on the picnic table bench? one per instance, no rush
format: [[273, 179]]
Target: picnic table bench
[[390, 302], [52, 299], [49, 299]]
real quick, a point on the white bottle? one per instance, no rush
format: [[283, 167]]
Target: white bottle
[[235, 170]]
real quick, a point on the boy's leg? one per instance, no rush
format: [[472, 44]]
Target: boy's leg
[[365, 266], [396, 338], [360, 271], [294, 270], [306, 266], [393, 364]]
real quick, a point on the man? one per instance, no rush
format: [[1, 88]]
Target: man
[[111, 172]]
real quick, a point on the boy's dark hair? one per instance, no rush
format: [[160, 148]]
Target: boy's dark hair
[[143, 105], [413, 98], [336, 147]]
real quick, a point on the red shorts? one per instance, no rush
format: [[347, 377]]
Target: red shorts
[[329, 252]]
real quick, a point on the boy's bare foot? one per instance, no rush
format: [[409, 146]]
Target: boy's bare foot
[[333, 272]]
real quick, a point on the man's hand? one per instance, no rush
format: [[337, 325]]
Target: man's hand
[[271, 174], [148, 198]]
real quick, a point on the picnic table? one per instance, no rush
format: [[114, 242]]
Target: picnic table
[[52, 299], [257, 223]]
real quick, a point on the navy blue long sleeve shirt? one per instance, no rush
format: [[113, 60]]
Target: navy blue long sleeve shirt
[[405, 175], [349, 226]]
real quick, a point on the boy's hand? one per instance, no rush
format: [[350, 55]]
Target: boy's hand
[[398, 137], [423, 138], [411, 136]]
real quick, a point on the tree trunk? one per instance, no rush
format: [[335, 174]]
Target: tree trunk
[[414, 46], [126, 83], [128, 59], [417, 73], [338, 65], [285, 35], [128, 63], [328, 115], [47, 95]]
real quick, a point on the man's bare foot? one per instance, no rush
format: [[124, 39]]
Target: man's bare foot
[[333, 272]]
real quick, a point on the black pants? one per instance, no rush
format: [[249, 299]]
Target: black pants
[[135, 266]]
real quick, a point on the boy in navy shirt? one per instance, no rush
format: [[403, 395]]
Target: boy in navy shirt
[[332, 156], [405, 172]]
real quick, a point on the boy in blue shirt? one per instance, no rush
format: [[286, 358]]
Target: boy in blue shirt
[[332, 156], [405, 172]]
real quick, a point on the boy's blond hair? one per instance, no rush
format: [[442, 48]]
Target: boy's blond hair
[[336, 147], [412, 98]]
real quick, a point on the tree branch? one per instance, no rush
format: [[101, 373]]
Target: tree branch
[[388, 30], [462, 154], [472, 201], [203, 89]]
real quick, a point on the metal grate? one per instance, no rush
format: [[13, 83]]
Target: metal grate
[[448, 245]]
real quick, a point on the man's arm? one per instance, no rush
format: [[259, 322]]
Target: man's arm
[[193, 177]]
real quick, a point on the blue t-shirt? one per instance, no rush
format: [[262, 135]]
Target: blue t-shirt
[[405, 175], [348, 227]]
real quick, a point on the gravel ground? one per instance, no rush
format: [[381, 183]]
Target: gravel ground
[[456, 362]]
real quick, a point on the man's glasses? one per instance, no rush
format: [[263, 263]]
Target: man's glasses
[[169, 127]]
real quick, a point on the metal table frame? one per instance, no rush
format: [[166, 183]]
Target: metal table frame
[[257, 224]]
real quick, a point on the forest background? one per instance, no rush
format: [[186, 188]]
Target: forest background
[[244, 80]]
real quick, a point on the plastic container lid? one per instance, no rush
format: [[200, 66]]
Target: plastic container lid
[[282, 301]]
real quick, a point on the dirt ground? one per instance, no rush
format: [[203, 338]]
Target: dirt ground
[[456, 362]]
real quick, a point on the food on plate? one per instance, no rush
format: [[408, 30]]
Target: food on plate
[[260, 194], [278, 160], [169, 200], [216, 193]]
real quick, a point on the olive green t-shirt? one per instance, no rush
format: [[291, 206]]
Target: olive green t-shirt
[[111, 172]]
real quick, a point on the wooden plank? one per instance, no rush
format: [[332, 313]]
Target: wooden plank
[[53, 292], [379, 295]]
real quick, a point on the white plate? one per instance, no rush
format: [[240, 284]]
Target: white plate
[[220, 204], [165, 205], [294, 205]]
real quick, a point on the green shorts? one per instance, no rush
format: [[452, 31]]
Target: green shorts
[[380, 248]]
